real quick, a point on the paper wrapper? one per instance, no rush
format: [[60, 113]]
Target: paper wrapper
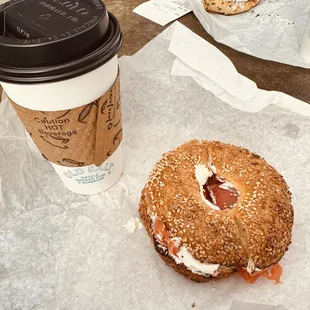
[[78, 137], [272, 30], [61, 251], [211, 69]]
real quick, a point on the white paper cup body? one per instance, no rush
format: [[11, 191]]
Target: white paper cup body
[[305, 45], [91, 180], [70, 94]]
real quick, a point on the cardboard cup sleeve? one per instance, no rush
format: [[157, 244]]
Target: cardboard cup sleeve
[[78, 137]]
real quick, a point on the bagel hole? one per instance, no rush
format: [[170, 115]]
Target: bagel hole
[[220, 193]]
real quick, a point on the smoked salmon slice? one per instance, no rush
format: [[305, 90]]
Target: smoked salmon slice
[[164, 238], [273, 273], [250, 278]]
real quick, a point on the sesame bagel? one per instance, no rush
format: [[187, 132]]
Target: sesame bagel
[[212, 208], [229, 7]]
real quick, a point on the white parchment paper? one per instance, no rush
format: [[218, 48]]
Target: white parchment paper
[[59, 250], [272, 30], [211, 69]]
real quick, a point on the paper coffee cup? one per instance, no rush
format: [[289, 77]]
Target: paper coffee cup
[[305, 45], [66, 66]]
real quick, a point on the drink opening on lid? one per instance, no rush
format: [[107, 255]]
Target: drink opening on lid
[[51, 40]]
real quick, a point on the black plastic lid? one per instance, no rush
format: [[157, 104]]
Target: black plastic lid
[[52, 40]]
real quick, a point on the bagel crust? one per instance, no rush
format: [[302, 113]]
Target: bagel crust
[[229, 7], [257, 229]]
